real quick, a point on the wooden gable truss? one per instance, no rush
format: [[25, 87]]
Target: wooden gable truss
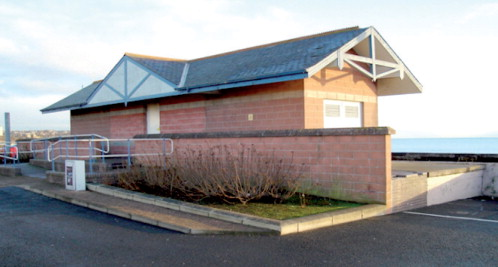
[[129, 81], [384, 66]]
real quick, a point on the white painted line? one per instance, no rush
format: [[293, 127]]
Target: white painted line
[[451, 217]]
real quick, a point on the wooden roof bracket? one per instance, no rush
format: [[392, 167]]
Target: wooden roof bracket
[[372, 61]]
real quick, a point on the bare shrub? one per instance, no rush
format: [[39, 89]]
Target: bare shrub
[[239, 174]]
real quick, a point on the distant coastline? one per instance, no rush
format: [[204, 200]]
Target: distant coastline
[[33, 134]]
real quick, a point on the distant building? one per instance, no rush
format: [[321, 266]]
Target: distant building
[[1, 131]]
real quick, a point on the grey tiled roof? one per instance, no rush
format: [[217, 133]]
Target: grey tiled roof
[[293, 56], [266, 61], [170, 70], [75, 100]]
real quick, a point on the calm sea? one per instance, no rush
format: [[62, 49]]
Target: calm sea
[[483, 145]]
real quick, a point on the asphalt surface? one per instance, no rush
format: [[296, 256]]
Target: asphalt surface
[[39, 231]]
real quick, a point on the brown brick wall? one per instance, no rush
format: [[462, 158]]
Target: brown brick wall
[[347, 84]]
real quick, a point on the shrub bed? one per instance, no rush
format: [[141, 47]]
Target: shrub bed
[[219, 174]]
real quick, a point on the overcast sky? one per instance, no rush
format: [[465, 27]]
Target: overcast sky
[[50, 49]]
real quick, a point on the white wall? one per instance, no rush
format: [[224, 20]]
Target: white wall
[[447, 188], [490, 180]]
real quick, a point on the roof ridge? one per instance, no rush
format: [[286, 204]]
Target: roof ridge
[[280, 42], [154, 57]]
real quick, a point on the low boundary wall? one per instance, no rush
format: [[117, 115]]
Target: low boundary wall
[[431, 182], [352, 164]]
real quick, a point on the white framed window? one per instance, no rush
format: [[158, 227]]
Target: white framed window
[[342, 114]]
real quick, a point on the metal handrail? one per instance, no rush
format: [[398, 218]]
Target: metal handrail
[[93, 149], [50, 148], [63, 137]]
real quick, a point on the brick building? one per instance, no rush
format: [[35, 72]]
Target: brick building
[[328, 80], [256, 95]]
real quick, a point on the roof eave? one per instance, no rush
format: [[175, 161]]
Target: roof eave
[[257, 81], [66, 108]]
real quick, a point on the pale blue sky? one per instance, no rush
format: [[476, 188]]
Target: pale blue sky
[[49, 49]]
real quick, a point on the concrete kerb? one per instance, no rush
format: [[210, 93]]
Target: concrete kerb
[[281, 226], [10, 171], [116, 212]]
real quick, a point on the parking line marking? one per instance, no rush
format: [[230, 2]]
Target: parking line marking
[[451, 217]]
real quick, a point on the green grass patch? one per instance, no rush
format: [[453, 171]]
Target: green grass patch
[[290, 209]]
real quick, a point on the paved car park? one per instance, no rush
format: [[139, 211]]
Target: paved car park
[[36, 230]]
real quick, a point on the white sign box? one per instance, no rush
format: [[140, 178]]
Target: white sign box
[[74, 175]]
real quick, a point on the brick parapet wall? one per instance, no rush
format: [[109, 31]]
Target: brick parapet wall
[[350, 164], [409, 192]]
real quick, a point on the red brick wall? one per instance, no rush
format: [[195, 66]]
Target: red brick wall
[[272, 106], [114, 122], [94, 122], [285, 105], [354, 166], [127, 126]]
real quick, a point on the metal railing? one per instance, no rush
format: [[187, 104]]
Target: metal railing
[[8, 152], [94, 148], [42, 145], [101, 149]]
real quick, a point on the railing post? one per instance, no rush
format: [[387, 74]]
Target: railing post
[[90, 153], [31, 147], [164, 147], [48, 158], [16, 156], [45, 148], [60, 146], [129, 153], [164, 153], [76, 147], [102, 152]]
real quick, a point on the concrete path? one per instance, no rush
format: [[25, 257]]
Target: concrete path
[[32, 171], [146, 213]]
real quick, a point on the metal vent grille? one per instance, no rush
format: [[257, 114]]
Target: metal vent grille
[[332, 110], [352, 112]]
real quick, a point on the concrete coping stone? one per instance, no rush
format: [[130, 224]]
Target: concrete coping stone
[[408, 169], [282, 226], [456, 171], [277, 133]]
